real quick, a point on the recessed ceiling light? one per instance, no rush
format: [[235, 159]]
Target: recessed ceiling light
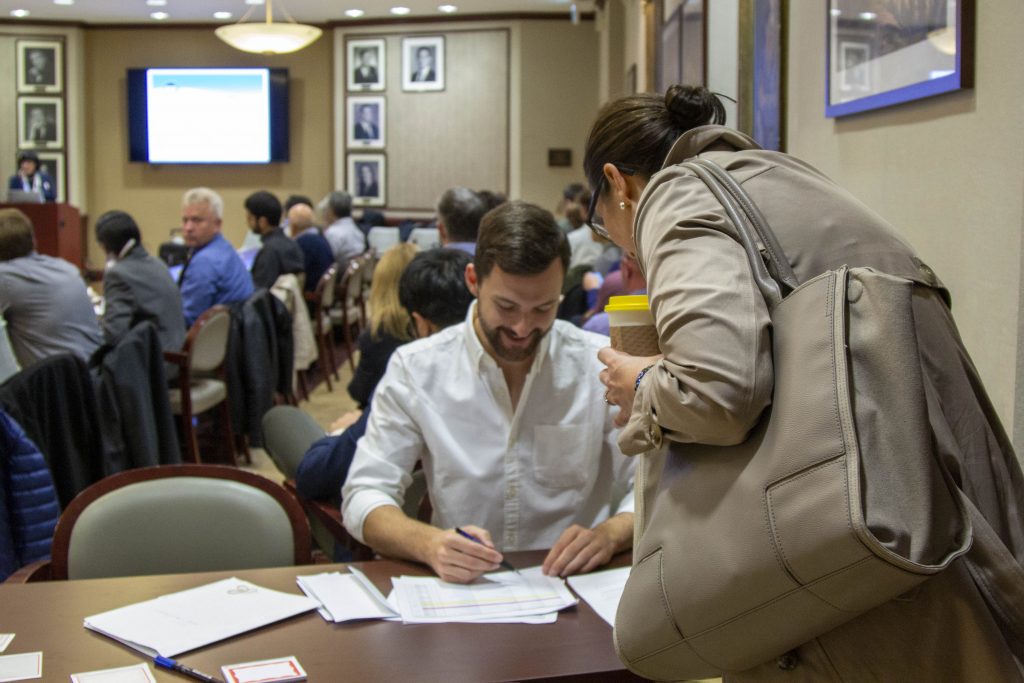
[[835, 11], [156, 3], [400, 10], [354, 13], [159, 16], [867, 16], [222, 15], [19, 13], [254, 2], [447, 9], [63, 2]]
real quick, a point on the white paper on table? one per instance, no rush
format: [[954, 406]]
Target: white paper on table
[[344, 597], [139, 673], [21, 667], [498, 595], [5, 640], [602, 590], [179, 622]]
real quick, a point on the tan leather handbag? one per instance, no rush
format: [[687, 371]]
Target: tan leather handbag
[[833, 505]]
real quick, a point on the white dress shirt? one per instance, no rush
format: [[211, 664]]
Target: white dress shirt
[[524, 475], [346, 239]]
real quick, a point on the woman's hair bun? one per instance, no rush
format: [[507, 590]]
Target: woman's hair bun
[[690, 106]]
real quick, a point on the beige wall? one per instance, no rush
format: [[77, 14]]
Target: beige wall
[[947, 171], [153, 193]]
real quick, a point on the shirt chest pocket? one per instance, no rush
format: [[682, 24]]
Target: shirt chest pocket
[[564, 456]]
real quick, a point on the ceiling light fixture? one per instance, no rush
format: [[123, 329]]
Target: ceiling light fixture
[[222, 15], [19, 13], [156, 3], [354, 13], [400, 11], [160, 16], [63, 2], [268, 38], [868, 16], [447, 9]]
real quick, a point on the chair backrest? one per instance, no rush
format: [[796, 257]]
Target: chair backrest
[[207, 340], [288, 432], [382, 237], [425, 238], [179, 518], [325, 294], [351, 283]]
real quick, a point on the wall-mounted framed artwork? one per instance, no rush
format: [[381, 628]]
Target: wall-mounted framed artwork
[[762, 101], [366, 63], [40, 122], [423, 63], [366, 122], [367, 177], [40, 66], [694, 41], [896, 51], [52, 163]]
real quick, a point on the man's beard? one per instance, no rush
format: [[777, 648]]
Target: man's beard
[[496, 337]]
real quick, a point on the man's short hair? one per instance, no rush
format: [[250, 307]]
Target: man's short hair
[[491, 200], [521, 239], [434, 285], [263, 204], [114, 229], [461, 209], [294, 199], [16, 239], [204, 195], [339, 203]]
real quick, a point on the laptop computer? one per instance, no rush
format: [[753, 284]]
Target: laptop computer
[[24, 197]]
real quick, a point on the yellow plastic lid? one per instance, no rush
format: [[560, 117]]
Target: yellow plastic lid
[[633, 302]]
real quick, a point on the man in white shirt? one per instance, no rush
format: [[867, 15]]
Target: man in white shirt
[[507, 414], [346, 239]]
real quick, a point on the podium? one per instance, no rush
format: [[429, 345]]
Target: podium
[[58, 230]]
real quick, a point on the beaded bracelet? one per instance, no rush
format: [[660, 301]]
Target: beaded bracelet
[[640, 376]]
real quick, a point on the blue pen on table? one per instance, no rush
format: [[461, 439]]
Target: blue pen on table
[[504, 563], [166, 663]]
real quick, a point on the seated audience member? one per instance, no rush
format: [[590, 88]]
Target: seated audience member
[[317, 256], [346, 239], [567, 201], [632, 283], [434, 296], [30, 178], [389, 323], [292, 201], [43, 299], [491, 200], [505, 412], [279, 255], [458, 218], [136, 286], [214, 273], [585, 245]]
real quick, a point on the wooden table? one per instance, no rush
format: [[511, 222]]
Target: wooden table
[[48, 616]]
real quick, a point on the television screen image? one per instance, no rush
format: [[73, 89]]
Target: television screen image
[[210, 115]]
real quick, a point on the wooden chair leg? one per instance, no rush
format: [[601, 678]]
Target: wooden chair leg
[[303, 385], [348, 346], [226, 432], [189, 441], [326, 359]]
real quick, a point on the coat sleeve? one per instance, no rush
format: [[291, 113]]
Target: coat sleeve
[[713, 324], [118, 307]]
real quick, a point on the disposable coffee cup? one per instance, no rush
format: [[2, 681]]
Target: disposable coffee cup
[[632, 326]]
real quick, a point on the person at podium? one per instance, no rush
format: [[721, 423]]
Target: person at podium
[[31, 178]]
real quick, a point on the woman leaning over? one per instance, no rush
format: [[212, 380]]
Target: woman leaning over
[[715, 377]]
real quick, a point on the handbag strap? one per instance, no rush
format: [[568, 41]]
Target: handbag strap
[[770, 287]]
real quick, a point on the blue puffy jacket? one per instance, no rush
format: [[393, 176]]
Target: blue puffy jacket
[[28, 501]]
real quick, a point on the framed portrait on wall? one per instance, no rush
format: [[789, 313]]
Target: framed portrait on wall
[[40, 65], [366, 64], [367, 177], [365, 122], [423, 63], [897, 52], [52, 163], [761, 74], [40, 122]]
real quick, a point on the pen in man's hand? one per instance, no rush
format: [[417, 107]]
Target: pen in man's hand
[[504, 563], [180, 668]]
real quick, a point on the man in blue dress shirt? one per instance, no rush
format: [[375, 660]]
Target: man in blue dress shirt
[[214, 273]]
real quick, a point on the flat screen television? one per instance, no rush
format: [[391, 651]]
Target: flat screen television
[[208, 115]]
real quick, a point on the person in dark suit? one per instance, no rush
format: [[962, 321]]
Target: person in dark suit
[[366, 125], [366, 71], [31, 178], [368, 186], [136, 286], [278, 255], [424, 66]]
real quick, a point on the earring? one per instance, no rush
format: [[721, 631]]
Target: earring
[[622, 205]]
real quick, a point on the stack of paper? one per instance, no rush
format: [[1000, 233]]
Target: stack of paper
[[500, 597], [179, 622], [602, 590], [346, 597]]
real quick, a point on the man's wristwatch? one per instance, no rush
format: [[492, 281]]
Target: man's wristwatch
[[640, 376]]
